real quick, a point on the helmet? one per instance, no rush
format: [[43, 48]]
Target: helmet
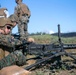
[[13, 18], [5, 21], [2, 12]]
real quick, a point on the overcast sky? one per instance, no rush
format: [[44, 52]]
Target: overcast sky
[[47, 14]]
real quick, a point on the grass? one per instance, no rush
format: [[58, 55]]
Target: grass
[[50, 39]]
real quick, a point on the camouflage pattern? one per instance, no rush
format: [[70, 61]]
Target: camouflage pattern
[[8, 41], [22, 29], [23, 12], [15, 57], [6, 45], [4, 21], [13, 18], [22, 9]]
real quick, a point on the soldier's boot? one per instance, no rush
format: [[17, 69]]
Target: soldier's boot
[[2, 53], [15, 57]]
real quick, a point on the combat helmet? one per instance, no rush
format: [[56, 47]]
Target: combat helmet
[[5, 21], [2, 13]]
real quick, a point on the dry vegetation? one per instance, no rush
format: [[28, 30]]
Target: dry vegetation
[[50, 39]]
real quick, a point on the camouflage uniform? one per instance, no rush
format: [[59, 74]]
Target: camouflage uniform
[[7, 42], [23, 12], [14, 19], [5, 39], [14, 57], [2, 14], [3, 21]]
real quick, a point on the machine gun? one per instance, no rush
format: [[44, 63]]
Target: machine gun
[[46, 52]]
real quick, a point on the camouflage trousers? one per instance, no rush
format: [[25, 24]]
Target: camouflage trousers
[[15, 57], [23, 27]]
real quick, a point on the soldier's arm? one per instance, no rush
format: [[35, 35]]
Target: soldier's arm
[[6, 40]]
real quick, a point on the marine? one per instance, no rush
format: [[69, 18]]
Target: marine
[[23, 13], [15, 57]]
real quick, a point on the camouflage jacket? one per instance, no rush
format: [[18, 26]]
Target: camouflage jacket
[[7, 40], [22, 9]]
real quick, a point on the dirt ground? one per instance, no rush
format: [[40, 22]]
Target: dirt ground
[[66, 72]]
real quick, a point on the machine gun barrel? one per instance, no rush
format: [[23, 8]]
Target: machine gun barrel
[[69, 46], [66, 46]]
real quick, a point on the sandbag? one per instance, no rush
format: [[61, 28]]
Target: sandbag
[[14, 70]]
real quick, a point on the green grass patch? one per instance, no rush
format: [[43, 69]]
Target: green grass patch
[[50, 39]]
